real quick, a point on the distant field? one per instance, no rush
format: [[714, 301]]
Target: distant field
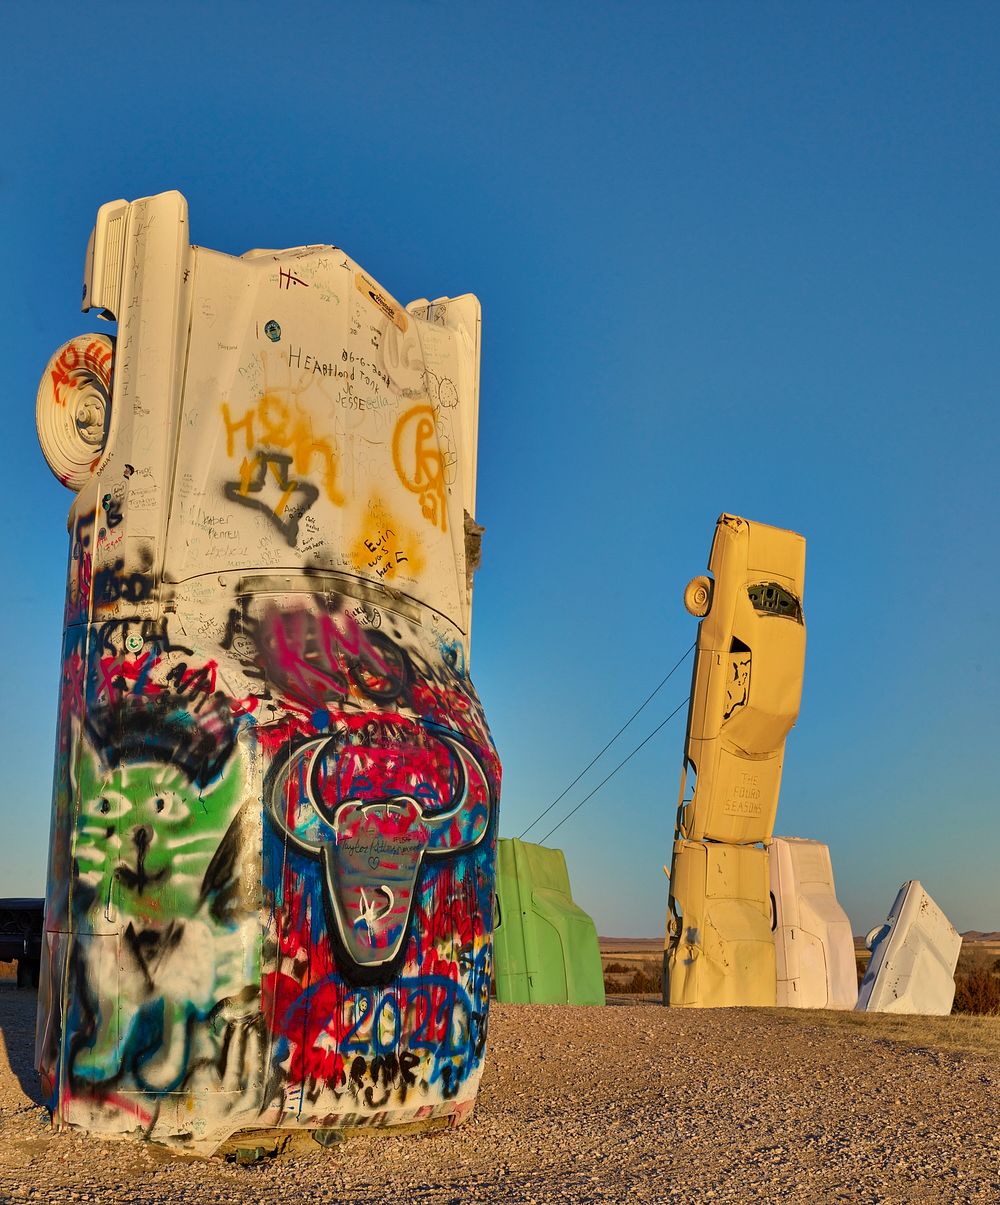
[[633, 974], [978, 951], [638, 947], [975, 949], [635, 964], [632, 965]]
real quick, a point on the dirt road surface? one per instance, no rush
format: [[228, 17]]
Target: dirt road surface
[[626, 1103]]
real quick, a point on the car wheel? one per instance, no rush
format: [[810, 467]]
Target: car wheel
[[73, 408], [698, 596]]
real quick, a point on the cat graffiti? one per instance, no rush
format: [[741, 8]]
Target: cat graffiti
[[152, 860]]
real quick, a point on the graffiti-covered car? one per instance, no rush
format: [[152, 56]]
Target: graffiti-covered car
[[270, 888]]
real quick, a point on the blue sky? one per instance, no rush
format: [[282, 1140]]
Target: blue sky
[[731, 257]]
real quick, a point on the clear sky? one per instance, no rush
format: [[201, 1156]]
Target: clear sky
[[738, 257]]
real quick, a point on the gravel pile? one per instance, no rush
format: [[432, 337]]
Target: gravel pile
[[623, 1104]]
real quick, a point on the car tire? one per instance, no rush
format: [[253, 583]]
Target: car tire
[[73, 408], [698, 596]]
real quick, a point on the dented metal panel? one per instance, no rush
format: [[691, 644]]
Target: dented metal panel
[[271, 870], [546, 948], [722, 947], [747, 681], [745, 692], [814, 943], [913, 958]]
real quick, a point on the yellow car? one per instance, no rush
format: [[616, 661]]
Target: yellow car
[[744, 700], [747, 680]]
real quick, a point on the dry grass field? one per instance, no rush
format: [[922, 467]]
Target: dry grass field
[[634, 965]]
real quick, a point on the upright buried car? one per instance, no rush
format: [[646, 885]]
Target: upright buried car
[[546, 948], [745, 693], [813, 939], [747, 681], [271, 873]]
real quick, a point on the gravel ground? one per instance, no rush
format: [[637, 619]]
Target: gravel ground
[[637, 1103]]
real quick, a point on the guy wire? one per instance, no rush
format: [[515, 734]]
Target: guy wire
[[681, 704], [607, 746]]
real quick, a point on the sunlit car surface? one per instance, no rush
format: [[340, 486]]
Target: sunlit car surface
[[270, 890], [913, 958], [745, 692], [813, 938], [747, 679]]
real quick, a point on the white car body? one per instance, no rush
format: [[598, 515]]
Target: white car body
[[272, 766], [814, 944], [913, 958]]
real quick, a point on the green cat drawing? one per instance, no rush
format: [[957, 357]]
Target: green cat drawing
[[158, 947]]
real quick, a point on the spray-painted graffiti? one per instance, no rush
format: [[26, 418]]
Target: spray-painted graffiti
[[275, 803], [239, 862], [95, 356], [150, 850], [271, 469], [417, 456], [370, 813], [79, 578], [277, 437]]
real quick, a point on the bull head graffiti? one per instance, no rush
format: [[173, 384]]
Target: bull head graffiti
[[372, 843]]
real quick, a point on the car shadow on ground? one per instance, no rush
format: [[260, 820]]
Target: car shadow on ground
[[17, 1038]]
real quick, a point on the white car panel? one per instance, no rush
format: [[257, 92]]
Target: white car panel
[[814, 944], [913, 959]]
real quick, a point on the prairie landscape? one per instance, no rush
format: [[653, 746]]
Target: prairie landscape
[[631, 1102], [633, 966]]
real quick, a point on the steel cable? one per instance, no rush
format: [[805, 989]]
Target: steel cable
[[648, 699]]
